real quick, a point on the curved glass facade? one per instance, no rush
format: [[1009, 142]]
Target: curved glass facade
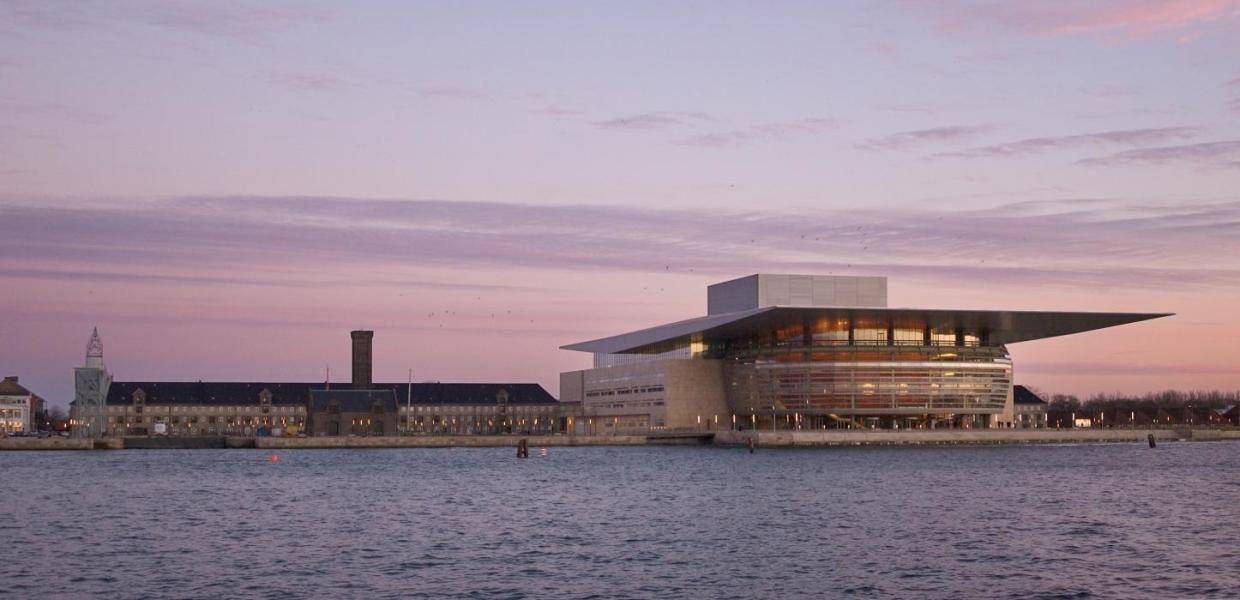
[[868, 380]]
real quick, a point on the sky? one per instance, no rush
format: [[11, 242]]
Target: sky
[[226, 189]]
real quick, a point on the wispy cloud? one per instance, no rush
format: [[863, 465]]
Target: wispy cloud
[[655, 121], [247, 239], [448, 91], [1127, 137], [1234, 103], [232, 20], [311, 82], [759, 133], [1109, 90], [904, 139], [557, 111], [1129, 18], [49, 109], [303, 280], [1203, 153]]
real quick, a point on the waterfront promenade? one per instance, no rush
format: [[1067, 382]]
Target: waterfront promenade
[[761, 439]]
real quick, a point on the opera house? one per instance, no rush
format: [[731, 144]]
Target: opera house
[[812, 352]]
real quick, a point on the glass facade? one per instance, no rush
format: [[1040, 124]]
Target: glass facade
[[692, 349], [866, 380], [846, 366]]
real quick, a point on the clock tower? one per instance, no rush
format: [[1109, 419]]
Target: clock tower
[[91, 384]]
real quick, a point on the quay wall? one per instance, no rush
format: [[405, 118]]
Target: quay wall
[[791, 439], [51, 443], [762, 439], [449, 441]]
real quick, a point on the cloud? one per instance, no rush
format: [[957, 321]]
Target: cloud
[[1204, 153], [1109, 90], [49, 109], [1234, 87], [447, 91], [231, 20], [1143, 17], [198, 278], [277, 241], [1129, 18], [1129, 137], [221, 19], [312, 82], [557, 111], [654, 121], [759, 133], [904, 139]]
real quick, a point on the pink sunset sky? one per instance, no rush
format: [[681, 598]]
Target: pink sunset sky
[[227, 188]]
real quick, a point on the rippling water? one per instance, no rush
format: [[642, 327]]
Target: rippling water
[[1112, 521]]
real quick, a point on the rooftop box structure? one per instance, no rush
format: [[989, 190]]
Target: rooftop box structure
[[763, 290]]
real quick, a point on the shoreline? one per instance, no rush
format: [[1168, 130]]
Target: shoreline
[[723, 439]]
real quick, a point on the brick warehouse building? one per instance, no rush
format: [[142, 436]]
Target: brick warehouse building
[[359, 408]]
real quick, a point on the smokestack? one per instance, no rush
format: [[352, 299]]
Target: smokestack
[[362, 359]]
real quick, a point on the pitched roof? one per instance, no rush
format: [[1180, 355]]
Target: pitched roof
[[1022, 395], [209, 393], [10, 387], [471, 393], [246, 393], [352, 400]]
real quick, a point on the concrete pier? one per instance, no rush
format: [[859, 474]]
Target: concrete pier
[[807, 439]]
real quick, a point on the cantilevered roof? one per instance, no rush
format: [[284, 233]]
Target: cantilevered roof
[[999, 326]]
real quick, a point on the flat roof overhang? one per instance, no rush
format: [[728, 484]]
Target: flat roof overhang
[[1000, 327]]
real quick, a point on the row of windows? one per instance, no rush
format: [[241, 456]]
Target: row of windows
[[631, 404], [209, 409], [484, 409], [653, 389], [211, 420]]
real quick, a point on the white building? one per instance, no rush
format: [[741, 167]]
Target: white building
[[18, 407]]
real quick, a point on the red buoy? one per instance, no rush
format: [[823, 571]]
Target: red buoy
[[275, 458]]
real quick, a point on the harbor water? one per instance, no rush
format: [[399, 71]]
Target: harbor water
[[1059, 521]]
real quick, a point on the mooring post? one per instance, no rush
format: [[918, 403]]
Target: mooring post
[[523, 448], [1150, 437], [751, 444]]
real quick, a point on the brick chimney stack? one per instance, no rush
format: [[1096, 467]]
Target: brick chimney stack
[[362, 363]]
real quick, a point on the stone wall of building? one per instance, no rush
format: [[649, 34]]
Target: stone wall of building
[[695, 395]]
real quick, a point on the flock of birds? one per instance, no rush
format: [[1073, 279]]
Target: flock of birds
[[864, 241]]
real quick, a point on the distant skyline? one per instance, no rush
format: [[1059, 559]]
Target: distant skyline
[[226, 189]]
